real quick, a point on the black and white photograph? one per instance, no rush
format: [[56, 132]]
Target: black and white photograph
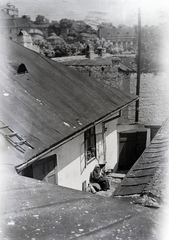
[[84, 119]]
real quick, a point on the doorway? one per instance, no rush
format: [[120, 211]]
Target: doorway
[[131, 146]]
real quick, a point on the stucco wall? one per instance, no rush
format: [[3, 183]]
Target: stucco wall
[[71, 168]]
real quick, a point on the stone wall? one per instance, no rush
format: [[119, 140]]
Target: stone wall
[[106, 74], [154, 97]]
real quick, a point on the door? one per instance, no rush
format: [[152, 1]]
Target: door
[[131, 146]]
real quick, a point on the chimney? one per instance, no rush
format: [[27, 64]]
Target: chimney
[[90, 52], [115, 61]]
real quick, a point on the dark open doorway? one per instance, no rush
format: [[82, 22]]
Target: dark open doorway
[[131, 146]]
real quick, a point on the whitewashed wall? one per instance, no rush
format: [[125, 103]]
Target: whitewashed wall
[[71, 168], [111, 144]]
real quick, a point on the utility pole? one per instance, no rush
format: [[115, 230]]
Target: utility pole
[[138, 66]]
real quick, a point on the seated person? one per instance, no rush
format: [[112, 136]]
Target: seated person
[[98, 176]]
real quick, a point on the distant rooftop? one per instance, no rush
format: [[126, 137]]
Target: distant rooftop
[[125, 64]]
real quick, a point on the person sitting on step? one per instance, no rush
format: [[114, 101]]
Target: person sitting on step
[[98, 176]]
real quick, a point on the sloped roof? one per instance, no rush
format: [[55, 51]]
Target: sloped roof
[[21, 23], [117, 32], [148, 174], [125, 68], [99, 61], [83, 61], [37, 210], [4, 14], [16, 22], [51, 102]]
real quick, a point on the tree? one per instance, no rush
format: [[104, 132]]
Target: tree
[[40, 19], [106, 25], [45, 48], [54, 27], [65, 23]]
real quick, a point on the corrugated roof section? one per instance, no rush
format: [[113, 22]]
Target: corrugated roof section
[[148, 173], [51, 102]]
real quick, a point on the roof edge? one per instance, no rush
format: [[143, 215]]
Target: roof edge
[[22, 166]]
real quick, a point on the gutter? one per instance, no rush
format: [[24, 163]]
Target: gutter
[[104, 120]]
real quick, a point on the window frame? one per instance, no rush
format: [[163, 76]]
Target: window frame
[[90, 144]]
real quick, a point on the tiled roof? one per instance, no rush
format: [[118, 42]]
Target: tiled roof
[[149, 172], [51, 102]]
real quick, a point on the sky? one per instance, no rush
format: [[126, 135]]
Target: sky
[[96, 11]]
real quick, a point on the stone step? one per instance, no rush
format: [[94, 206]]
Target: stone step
[[116, 175]]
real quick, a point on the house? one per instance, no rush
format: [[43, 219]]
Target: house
[[11, 24], [38, 210], [121, 36], [61, 123], [26, 40], [120, 72], [9, 10]]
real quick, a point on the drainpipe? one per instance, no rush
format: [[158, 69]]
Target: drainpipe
[[104, 129], [138, 66]]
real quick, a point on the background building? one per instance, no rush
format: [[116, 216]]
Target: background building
[[120, 37]]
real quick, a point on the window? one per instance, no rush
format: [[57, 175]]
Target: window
[[90, 143]]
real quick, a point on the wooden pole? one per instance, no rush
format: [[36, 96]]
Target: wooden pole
[[138, 66]]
